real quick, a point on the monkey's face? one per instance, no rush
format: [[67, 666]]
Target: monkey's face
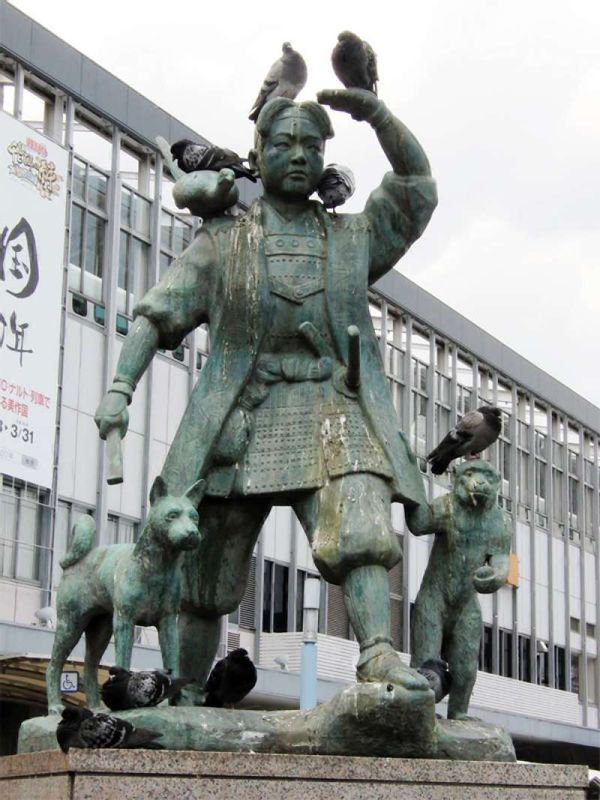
[[476, 484]]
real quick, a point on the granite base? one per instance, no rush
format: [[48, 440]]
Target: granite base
[[158, 775]]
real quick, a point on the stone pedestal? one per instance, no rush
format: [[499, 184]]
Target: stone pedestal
[[162, 775]]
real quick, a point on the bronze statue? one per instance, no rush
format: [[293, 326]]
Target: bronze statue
[[292, 406]]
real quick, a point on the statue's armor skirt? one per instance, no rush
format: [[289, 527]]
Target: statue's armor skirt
[[294, 428]]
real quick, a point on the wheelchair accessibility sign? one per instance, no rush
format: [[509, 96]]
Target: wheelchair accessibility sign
[[69, 682]]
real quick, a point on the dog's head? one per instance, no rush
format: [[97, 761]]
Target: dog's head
[[476, 485], [175, 519]]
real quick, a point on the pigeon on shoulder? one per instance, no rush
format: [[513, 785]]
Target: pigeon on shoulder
[[193, 157], [354, 62], [336, 186], [125, 689], [286, 78], [80, 727], [476, 431], [231, 679]]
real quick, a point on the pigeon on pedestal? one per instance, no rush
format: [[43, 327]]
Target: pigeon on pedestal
[[231, 679], [79, 727], [125, 689]]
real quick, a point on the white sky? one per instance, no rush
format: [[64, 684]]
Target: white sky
[[503, 94]]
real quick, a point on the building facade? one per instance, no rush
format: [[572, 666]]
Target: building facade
[[539, 667]]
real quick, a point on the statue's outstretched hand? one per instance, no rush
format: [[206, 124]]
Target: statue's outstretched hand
[[361, 104], [112, 413]]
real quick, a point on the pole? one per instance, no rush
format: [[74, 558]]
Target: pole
[[308, 669]]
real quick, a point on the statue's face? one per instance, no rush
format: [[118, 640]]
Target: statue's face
[[290, 161]]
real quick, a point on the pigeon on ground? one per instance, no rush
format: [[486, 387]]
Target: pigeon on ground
[[438, 676], [125, 689], [286, 78], [79, 727], [336, 186], [193, 157], [475, 431], [354, 62], [230, 680]]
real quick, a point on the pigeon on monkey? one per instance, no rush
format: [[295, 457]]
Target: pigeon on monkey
[[336, 186], [476, 431], [286, 78], [79, 727], [231, 679], [125, 689], [193, 157], [354, 62]]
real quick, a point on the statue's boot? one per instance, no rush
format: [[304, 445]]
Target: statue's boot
[[199, 639], [367, 598]]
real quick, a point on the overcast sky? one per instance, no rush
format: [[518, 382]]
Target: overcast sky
[[503, 94]]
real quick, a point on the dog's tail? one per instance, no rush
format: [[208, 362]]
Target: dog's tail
[[84, 534]]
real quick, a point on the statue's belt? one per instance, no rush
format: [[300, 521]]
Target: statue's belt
[[272, 368]]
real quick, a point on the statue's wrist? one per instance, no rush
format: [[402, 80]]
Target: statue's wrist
[[381, 117], [124, 386]]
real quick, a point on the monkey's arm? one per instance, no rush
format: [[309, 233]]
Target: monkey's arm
[[427, 518], [492, 576]]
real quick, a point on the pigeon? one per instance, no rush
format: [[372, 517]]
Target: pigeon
[[336, 186], [475, 431], [125, 689], [354, 62], [286, 78], [79, 727], [192, 157], [438, 676], [230, 680]]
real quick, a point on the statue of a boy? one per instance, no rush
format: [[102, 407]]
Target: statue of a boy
[[275, 418]]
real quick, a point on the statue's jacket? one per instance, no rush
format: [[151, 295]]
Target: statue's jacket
[[222, 279]]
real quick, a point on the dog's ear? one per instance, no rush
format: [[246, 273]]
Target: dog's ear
[[196, 492], [158, 490]]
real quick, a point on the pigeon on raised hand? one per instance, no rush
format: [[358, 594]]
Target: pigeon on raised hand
[[193, 157], [230, 680], [354, 62], [438, 676], [286, 78], [125, 689], [475, 431], [79, 727], [336, 185]]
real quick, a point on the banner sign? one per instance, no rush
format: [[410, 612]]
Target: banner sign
[[33, 177]]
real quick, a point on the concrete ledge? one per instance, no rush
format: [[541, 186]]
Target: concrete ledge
[[154, 775]]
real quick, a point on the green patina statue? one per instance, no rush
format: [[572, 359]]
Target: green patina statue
[[292, 406], [470, 555]]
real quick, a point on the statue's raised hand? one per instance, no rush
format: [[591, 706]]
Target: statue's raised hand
[[361, 104]]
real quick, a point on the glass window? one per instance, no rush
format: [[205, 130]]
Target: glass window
[[524, 656], [76, 243], [94, 244], [275, 598], [23, 512], [97, 188]]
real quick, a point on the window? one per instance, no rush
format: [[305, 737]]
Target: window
[[89, 188], [121, 530], [24, 517], [134, 246], [560, 664], [175, 235], [524, 656], [485, 652], [506, 650], [275, 597]]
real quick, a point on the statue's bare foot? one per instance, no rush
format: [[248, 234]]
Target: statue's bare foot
[[381, 664]]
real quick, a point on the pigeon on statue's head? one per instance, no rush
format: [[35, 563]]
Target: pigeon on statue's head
[[354, 62], [286, 78], [475, 431]]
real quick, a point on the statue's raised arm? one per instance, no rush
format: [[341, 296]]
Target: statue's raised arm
[[399, 210]]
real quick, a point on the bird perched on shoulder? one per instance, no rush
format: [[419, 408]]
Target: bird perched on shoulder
[[125, 689], [438, 676], [336, 186], [286, 78], [230, 680], [354, 62], [79, 727], [475, 431], [193, 157]]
